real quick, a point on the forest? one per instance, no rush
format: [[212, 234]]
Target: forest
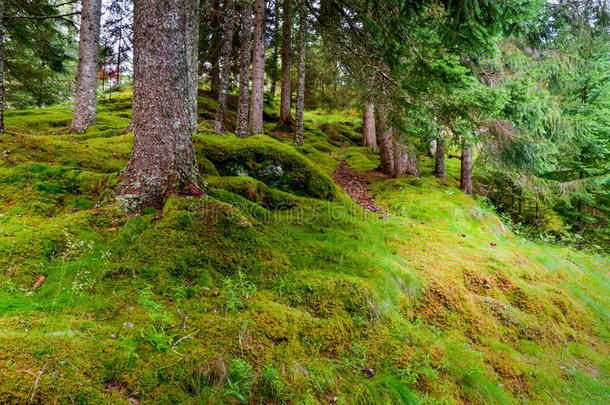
[[304, 201]]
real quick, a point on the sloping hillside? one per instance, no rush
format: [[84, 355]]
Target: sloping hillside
[[276, 287]]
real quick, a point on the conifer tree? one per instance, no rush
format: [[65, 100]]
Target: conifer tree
[[85, 99]]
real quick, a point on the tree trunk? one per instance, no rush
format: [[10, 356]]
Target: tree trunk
[[581, 208], [368, 127], [405, 159], [192, 52], [299, 135], [227, 47], [276, 51], [432, 148], [85, 98], [163, 160], [214, 53], [244, 69], [384, 140], [258, 68], [286, 98], [1, 67], [466, 168], [118, 60], [439, 160]]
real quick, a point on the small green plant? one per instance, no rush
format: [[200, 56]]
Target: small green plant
[[237, 289], [274, 385], [155, 332], [239, 380]]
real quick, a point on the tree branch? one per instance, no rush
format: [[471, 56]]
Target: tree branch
[[40, 17]]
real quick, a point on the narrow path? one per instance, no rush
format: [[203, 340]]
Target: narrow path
[[354, 185]]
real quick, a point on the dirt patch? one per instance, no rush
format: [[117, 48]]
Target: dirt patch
[[355, 185]]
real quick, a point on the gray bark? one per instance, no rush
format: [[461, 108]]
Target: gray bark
[[1, 67], [299, 135], [286, 97], [225, 73], [163, 160], [368, 127], [384, 140], [439, 160], [244, 69], [215, 53], [276, 51], [258, 68], [432, 148], [405, 159], [85, 98], [466, 168], [192, 52]]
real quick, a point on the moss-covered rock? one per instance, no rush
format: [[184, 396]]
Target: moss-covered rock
[[231, 155], [254, 190]]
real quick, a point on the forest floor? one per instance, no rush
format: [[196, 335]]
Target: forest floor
[[277, 287], [355, 186]]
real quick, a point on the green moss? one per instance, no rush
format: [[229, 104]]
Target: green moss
[[255, 191], [245, 205], [231, 154], [215, 299]]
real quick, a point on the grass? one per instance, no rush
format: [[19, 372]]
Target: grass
[[278, 289]]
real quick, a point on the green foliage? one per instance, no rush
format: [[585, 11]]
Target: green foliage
[[37, 54], [214, 300]]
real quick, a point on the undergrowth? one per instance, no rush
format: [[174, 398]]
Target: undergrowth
[[275, 287]]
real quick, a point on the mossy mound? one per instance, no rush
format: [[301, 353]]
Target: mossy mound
[[233, 156], [255, 191]]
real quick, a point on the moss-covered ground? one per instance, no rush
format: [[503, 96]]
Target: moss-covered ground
[[275, 287]]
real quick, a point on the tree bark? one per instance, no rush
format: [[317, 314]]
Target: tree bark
[[405, 159], [368, 127], [581, 207], [276, 51], [163, 160], [258, 68], [192, 52], [286, 98], [384, 140], [466, 168], [1, 67], [244, 69], [299, 135], [432, 148], [85, 98], [215, 54], [439, 159], [227, 47]]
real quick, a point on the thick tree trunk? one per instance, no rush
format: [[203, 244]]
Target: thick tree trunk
[[384, 140], [286, 98], [299, 135], [192, 52], [215, 52], [368, 127], [227, 47], [276, 52], [244, 69], [163, 160], [466, 168], [1, 67], [405, 159], [258, 68], [439, 160], [85, 98]]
